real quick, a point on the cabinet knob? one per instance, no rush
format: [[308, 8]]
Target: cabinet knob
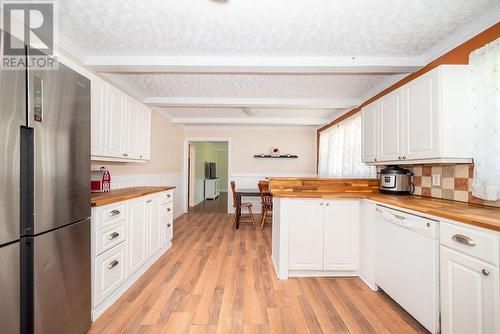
[[168, 225], [375, 159], [327, 204], [485, 272], [148, 201], [399, 158], [125, 154], [321, 203], [404, 157], [168, 209]]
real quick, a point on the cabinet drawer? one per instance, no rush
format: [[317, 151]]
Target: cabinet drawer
[[110, 214], [109, 272], [167, 196], [110, 236], [477, 243], [166, 209]]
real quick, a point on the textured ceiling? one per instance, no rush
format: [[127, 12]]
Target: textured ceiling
[[250, 85], [263, 27]]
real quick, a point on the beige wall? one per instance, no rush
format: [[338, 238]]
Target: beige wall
[[167, 154], [222, 168], [246, 143]]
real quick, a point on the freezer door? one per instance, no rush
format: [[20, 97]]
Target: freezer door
[[59, 113], [61, 275], [12, 116], [9, 289]]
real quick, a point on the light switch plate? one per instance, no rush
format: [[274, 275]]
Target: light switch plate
[[436, 180]]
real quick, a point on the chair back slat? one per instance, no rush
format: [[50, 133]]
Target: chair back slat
[[233, 190], [267, 199]]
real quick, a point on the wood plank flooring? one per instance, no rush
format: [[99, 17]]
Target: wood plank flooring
[[216, 279]]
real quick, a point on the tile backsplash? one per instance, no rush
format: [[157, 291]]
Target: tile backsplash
[[455, 182]]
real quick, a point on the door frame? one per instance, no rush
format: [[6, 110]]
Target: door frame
[[185, 173]]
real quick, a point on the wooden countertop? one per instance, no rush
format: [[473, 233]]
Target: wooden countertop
[[482, 216], [99, 199]]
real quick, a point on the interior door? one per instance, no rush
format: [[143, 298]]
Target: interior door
[[59, 113], [12, 116]]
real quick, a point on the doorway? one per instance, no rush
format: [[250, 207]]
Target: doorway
[[207, 175]]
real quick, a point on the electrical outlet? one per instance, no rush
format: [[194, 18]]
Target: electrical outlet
[[436, 180]]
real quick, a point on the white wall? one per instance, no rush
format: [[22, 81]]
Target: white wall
[[246, 170]]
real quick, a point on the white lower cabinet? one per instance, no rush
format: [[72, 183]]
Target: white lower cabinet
[[137, 243], [127, 238], [470, 280], [341, 235], [306, 235], [323, 235]]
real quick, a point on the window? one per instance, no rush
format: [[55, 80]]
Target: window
[[340, 151]]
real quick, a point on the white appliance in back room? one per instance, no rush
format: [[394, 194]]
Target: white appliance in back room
[[407, 263], [44, 201]]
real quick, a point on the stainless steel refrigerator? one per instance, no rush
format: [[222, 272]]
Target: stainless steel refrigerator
[[45, 282]]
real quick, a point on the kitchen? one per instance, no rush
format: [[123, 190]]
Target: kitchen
[[372, 147]]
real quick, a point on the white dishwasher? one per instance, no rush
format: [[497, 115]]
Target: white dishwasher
[[407, 263]]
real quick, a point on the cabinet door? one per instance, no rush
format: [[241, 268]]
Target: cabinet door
[[369, 125], [98, 118], [305, 234], [115, 123], [137, 234], [341, 238], [132, 130], [154, 225], [422, 117], [470, 296], [391, 126], [146, 133]]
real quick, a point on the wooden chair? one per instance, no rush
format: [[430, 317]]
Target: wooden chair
[[246, 205], [267, 201]]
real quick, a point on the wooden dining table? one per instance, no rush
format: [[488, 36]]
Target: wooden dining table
[[245, 193]]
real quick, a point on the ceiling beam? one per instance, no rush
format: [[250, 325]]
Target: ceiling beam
[[155, 64], [248, 121], [250, 102]]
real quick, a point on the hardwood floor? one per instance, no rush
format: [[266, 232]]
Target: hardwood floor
[[218, 205], [216, 279]]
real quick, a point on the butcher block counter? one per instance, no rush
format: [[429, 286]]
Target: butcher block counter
[[477, 215], [113, 196]]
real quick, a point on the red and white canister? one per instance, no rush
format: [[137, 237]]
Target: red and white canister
[[100, 180]]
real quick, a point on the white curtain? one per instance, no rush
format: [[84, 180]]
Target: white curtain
[[484, 81], [340, 151]]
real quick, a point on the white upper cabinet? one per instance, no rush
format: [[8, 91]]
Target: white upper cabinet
[[425, 120], [121, 126], [98, 118], [369, 125], [391, 126], [114, 130]]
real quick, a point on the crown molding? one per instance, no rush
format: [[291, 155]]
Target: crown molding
[[248, 121], [485, 21], [251, 128]]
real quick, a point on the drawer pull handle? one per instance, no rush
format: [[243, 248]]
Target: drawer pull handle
[[399, 217], [114, 213], [168, 225], [113, 264], [464, 240], [113, 235], [485, 272]]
